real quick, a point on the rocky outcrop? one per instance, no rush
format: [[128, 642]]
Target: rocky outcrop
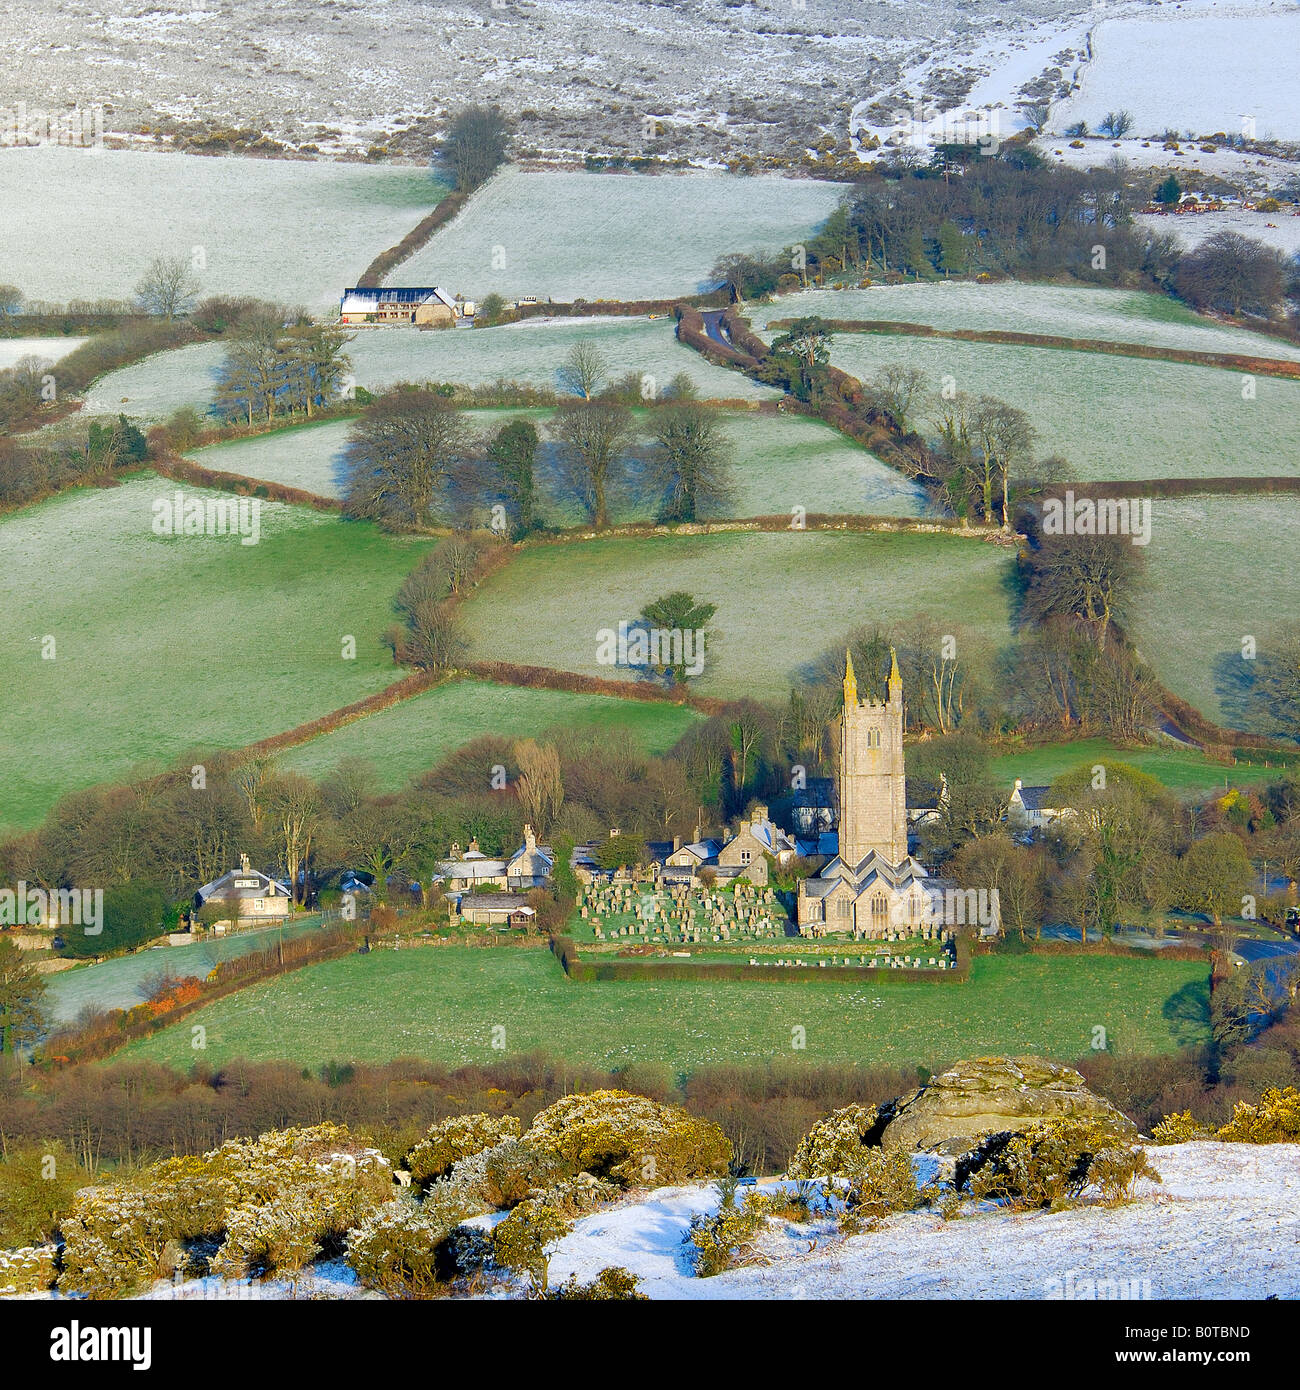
[[990, 1095]]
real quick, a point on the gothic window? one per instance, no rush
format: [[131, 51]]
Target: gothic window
[[873, 738], [879, 912], [844, 908]]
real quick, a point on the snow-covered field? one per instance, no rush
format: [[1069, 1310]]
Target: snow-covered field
[[84, 224], [612, 236], [151, 390], [1071, 311], [13, 350], [1225, 1223], [1277, 229], [1194, 68]]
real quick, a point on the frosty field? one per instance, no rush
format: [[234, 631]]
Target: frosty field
[[164, 645], [442, 1003], [783, 598], [13, 350], [530, 352], [612, 236], [1110, 417], [409, 738], [1198, 73], [84, 224], [780, 461], [1065, 311], [1211, 561]]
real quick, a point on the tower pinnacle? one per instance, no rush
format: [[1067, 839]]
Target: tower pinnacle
[[850, 681]]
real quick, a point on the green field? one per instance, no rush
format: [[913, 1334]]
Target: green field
[[1180, 769], [780, 461], [783, 597], [164, 645], [1060, 311], [1220, 569], [442, 1003], [1109, 417], [409, 738]]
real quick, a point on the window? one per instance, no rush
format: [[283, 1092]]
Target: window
[[873, 738], [844, 909], [879, 912], [744, 856]]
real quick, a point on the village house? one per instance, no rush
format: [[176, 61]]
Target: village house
[[425, 307], [1028, 811], [253, 897], [530, 866]]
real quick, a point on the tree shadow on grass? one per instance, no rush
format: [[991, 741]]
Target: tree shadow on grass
[[1187, 1011]]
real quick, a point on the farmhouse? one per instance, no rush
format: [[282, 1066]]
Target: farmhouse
[[382, 304], [252, 896], [1028, 811]]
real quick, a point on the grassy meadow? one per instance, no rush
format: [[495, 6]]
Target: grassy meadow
[[1220, 569], [779, 461], [409, 738], [1062, 311], [163, 645], [1109, 417], [310, 226], [783, 598], [443, 1002], [614, 236]]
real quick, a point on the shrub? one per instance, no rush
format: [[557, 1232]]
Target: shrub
[[629, 1139], [836, 1147], [520, 1242], [508, 1173], [727, 1240], [885, 1184], [1180, 1128], [462, 1136], [1052, 1163], [1275, 1120], [404, 1250], [613, 1282], [31, 1270]]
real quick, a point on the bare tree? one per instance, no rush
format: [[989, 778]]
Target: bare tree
[[540, 785], [593, 437], [584, 371], [168, 288], [690, 465], [476, 145], [897, 389]]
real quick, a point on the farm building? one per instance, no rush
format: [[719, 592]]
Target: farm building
[[251, 895], [493, 910], [384, 304]]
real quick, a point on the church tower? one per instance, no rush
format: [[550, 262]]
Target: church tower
[[873, 805]]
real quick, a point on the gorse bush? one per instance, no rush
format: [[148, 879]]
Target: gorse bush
[[614, 1282], [274, 1203], [630, 1140], [1053, 1163], [508, 1173], [884, 1184], [521, 1243], [403, 1250], [1274, 1120], [836, 1147], [728, 1239], [460, 1137], [1180, 1128]]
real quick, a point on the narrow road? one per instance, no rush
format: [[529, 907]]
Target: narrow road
[[713, 327]]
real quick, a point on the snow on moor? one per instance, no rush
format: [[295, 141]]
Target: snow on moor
[[1223, 1224]]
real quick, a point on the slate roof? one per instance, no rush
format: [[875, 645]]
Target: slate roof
[[242, 885]]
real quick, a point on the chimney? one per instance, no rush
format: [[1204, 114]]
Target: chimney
[[473, 846], [677, 843], [244, 866], [1018, 784], [530, 839], [455, 849]]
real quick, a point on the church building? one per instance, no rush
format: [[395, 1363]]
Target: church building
[[872, 887]]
